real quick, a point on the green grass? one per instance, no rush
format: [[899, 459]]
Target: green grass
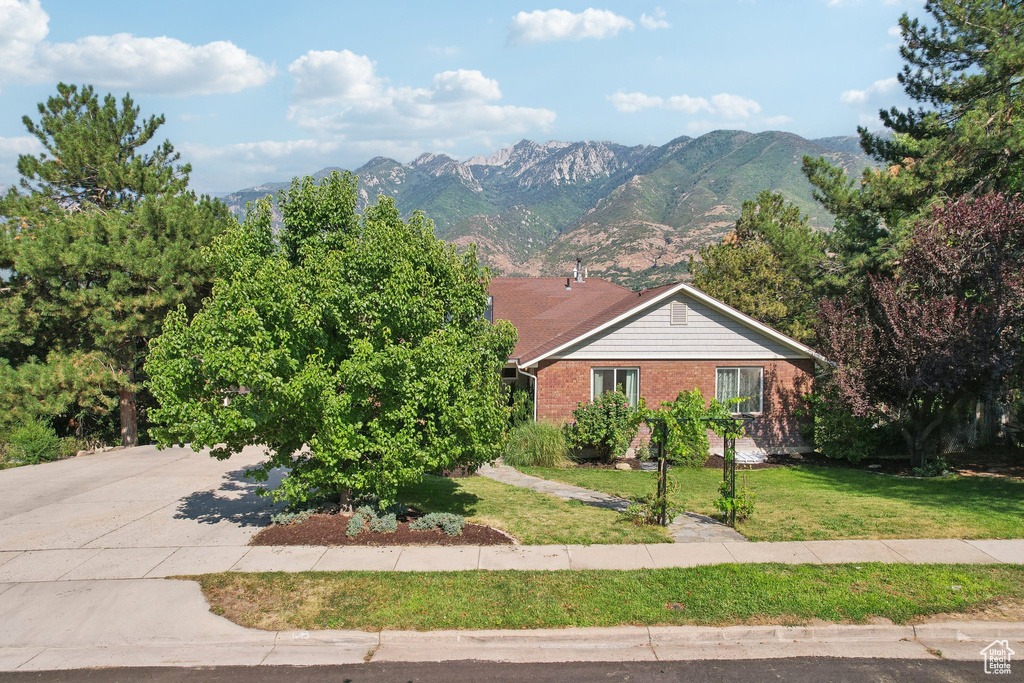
[[533, 518], [825, 503], [712, 595]]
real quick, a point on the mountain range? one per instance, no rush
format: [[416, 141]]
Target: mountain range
[[633, 214]]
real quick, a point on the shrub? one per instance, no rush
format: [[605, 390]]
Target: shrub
[[292, 517], [836, 432], [607, 424], [685, 417], [33, 442], [688, 443], [447, 522], [69, 447], [646, 510], [536, 444], [359, 520], [936, 468], [386, 524], [742, 502], [522, 407]]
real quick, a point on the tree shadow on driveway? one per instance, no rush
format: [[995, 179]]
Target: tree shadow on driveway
[[235, 501]]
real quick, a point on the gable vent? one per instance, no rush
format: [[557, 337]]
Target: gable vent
[[678, 313]]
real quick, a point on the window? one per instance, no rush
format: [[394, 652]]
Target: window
[[745, 383], [608, 379], [489, 311], [677, 315]]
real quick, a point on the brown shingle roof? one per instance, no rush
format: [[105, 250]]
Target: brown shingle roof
[[623, 305], [542, 309]]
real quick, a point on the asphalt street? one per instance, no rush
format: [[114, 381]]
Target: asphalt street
[[792, 670]]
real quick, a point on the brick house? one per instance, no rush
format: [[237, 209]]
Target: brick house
[[581, 336]]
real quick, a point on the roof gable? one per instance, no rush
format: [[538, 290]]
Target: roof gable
[[554, 319]]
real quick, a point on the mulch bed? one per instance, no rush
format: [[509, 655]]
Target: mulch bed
[[330, 530]]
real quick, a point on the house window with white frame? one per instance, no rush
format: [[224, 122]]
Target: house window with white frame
[[627, 380], [745, 383]]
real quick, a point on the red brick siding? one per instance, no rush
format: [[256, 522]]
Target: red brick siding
[[562, 384]]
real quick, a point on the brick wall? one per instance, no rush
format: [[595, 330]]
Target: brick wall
[[561, 384]]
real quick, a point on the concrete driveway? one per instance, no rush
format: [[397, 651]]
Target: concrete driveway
[[125, 507]]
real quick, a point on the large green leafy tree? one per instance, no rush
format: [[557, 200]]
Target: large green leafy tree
[[769, 267], [963, 67], [354, 350], [100, 242]]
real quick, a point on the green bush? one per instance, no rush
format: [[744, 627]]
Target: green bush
[[386, 524], [836, 432], [607, 424], [536, 444], [686, 419], [742, 502], [292, 517], [448, 522], [688, 444], [521, 403], [33, 442]]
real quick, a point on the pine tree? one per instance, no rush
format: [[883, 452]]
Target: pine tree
[[966, 137], [768, 267], [101, 241]]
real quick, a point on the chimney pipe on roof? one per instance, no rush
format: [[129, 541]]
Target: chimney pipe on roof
[[578, 273], [568, 283]]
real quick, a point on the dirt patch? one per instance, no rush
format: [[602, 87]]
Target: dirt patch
[[997, 610], [330, 530]]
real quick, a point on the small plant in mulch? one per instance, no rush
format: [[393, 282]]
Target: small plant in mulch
[[371, 524], [451, 524]]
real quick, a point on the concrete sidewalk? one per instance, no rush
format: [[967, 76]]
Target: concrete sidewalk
[[66, 625], [77, 564]]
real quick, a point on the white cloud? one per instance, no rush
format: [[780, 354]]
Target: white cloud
[[629, 102], [23, 25], [328, 75], [734, 106], [725, 105], [340, 93], [23, 144], [165, 66], [861, 97], [161, 65], [777, 121], [445, 50], [687, 104], [465, 86], [10, 149], [895, 31], [653, 23], [542, 26]]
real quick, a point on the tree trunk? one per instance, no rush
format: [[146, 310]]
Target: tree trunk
[[129, 422]]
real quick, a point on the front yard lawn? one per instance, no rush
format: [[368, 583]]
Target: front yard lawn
[[711, 595], [826, 503], [533, 518]]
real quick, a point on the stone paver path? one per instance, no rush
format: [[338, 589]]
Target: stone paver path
[[688, 527]]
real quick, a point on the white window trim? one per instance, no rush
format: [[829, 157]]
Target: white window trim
[[616, 367], [737, 368]]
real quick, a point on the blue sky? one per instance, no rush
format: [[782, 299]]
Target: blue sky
[[257, 91]]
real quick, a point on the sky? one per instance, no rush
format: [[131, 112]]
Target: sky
[[256, 91]]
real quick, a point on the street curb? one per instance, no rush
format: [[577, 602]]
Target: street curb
[[961, 641]]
